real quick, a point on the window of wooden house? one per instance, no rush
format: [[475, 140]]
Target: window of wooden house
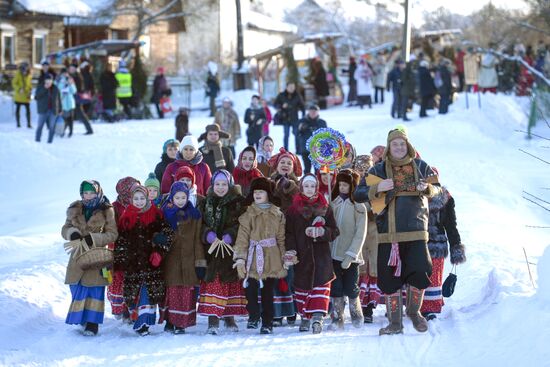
[[7, 44], [39, 46]]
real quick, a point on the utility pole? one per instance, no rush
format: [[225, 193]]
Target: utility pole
[[406, 45], [239, 75]]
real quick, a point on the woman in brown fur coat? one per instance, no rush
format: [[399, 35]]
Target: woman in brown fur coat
[[91, 219]]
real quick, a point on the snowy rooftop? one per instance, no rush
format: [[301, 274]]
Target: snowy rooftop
[[264, 22], [57, 7]]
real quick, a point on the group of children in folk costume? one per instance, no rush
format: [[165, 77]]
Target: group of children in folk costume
[[283, 241]]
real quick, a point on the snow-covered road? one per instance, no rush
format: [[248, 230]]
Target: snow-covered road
[[494, 318]]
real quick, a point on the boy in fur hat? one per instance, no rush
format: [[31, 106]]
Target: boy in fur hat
[[216, 156], [346, 249], [260, 256], [402, 228]]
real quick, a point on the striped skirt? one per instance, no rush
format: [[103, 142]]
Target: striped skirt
[[312, 300], [222, 299], [87, 305], [433, 298], [283, 298], [369, 293], [141, 311], [115, 294], [179, 307]]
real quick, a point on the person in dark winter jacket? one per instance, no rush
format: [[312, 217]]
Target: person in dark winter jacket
[[442, 230], [80, 113], [318, 77], [255, 118], [182, 123], [48, 106], [408, 86], [395, 83], [443, 78], [144, 240], [307, 126], [88, 88], [108, 85], [310, 227], [221, 293], [288, 103], [400, 179], [169, 152], [215, 155], [352, 82], [427, 86], [160, 89], [212, 90], [46, 69]]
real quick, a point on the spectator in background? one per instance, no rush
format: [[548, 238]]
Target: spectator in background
[[80, 114], [108, 84], [459, 63], [444, 85], [427, 87], [408, 85], [352, 82], [88, 88], [67, 91], [46, 69], [47, 101], [307, 126], [22, 87], [379, 79], [254, 117], [288, 103], [394, 82], [268, 117], [318, 78], [212, 90], [124, 89], [227, 118], [160, 89], [364, 75], [182, 123]]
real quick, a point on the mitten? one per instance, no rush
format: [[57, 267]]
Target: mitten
[[289, 259], [89, 240], [227, 239], [347, 262], [155, 259], [75, 236], [211, 237], [241, 269], [458, 254], [200, 272], [284, 182], [159, 239]]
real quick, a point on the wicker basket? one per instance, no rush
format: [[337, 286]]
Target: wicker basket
[[93, 258]]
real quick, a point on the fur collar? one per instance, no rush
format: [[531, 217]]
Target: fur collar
[[440, 200]]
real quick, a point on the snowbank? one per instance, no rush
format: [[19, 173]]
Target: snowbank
[[543, 271]]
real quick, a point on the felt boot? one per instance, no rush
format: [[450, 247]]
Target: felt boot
[[394, 305], [415, 297], [355, 312]]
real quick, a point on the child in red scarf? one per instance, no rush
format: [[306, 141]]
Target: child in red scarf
[[144, 239], [310, 226]]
